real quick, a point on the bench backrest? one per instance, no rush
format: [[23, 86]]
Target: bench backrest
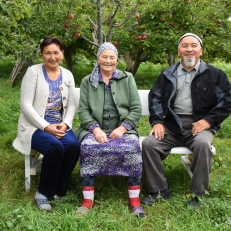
[[143, 98]]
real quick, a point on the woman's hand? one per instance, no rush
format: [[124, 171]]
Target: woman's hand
[[62, 127], [57, 130], [100, 135], [118, 132]]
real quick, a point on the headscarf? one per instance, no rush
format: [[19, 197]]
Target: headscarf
[[94, 77]]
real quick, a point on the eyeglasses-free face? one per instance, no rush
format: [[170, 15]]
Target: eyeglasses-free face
[[190, 51], [52, 56]]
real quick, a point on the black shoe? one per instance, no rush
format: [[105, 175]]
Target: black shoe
[[155, 197], [194, 202]]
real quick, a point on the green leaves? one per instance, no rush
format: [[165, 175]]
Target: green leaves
[[17, 9], [25, 22]]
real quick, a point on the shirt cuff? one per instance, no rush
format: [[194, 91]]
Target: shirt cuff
[[92, 127], [127, 126]]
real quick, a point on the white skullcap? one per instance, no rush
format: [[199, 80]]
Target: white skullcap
[[190, 34]]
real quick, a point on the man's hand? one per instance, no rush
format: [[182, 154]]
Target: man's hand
[[157, 131], [199, 126], [118, 132], [100, 135]]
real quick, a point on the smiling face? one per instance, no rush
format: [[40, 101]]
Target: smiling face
[[107, 61], [52, 56], [190, 51]]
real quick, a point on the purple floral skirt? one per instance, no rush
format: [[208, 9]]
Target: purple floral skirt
[[120, 157]]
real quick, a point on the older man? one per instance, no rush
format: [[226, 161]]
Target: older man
[[187, 104]]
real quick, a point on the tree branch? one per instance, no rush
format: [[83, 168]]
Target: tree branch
[[89, 41], [92, 22], [144, 58], [128, 15]]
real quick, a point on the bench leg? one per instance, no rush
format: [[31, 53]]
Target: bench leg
[[187, 163], [27, 173]]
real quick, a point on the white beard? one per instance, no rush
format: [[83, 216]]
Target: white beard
[[189, 62]]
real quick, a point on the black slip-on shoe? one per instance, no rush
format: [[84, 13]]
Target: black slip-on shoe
[[194, 202], [155, 197]]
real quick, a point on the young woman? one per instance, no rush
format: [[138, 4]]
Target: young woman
[[48, 107]]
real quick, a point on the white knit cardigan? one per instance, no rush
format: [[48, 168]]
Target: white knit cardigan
[[33, 99]]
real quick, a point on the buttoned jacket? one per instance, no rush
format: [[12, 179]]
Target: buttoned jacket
[[124, 94], [210, 94], [33, 99]]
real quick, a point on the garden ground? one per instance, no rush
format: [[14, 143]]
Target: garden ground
[[18, 211]]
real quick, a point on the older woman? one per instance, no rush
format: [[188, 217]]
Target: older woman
[[109, 110], [48, 107]]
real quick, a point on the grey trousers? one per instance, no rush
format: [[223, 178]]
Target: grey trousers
[[154, 151]]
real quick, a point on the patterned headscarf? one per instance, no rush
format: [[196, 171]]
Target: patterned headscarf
[[94, 79]]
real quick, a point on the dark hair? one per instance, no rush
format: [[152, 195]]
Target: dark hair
[[50, 40]]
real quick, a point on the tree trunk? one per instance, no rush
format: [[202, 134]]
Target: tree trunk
[[170, 59], [19, 69], [99, 17], [68, 58], [138, 60], [128, 62], [136, 66], [133, 66]]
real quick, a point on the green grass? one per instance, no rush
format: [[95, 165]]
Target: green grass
[[18, 211], [6, 66]]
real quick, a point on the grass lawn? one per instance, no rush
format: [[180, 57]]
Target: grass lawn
[[18, 211]]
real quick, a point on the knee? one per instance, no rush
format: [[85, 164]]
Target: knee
[[58, 147], [55, 147], [146, 142], [74, 144], [149, 142], [201, 143]]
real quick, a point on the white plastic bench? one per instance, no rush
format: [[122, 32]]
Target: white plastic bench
[[33, 161]]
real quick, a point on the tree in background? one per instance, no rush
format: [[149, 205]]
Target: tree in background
[[142, 30], [163, 22], [82, 27]]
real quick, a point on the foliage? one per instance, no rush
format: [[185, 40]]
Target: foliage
[[16, 9], [12, 34], [164, 22], [158, 24], [53, 18]]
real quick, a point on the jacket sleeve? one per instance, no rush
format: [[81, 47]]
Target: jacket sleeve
[[27, 98], [155, 103], [84, 112], [223, 95], [70, 112]]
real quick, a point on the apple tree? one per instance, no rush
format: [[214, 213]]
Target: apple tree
[[11, 12], [22, 37], [80, 25], [142, 30], [164, 22]]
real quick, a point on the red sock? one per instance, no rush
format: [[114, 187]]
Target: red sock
[[134, 192], [88, 196]]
